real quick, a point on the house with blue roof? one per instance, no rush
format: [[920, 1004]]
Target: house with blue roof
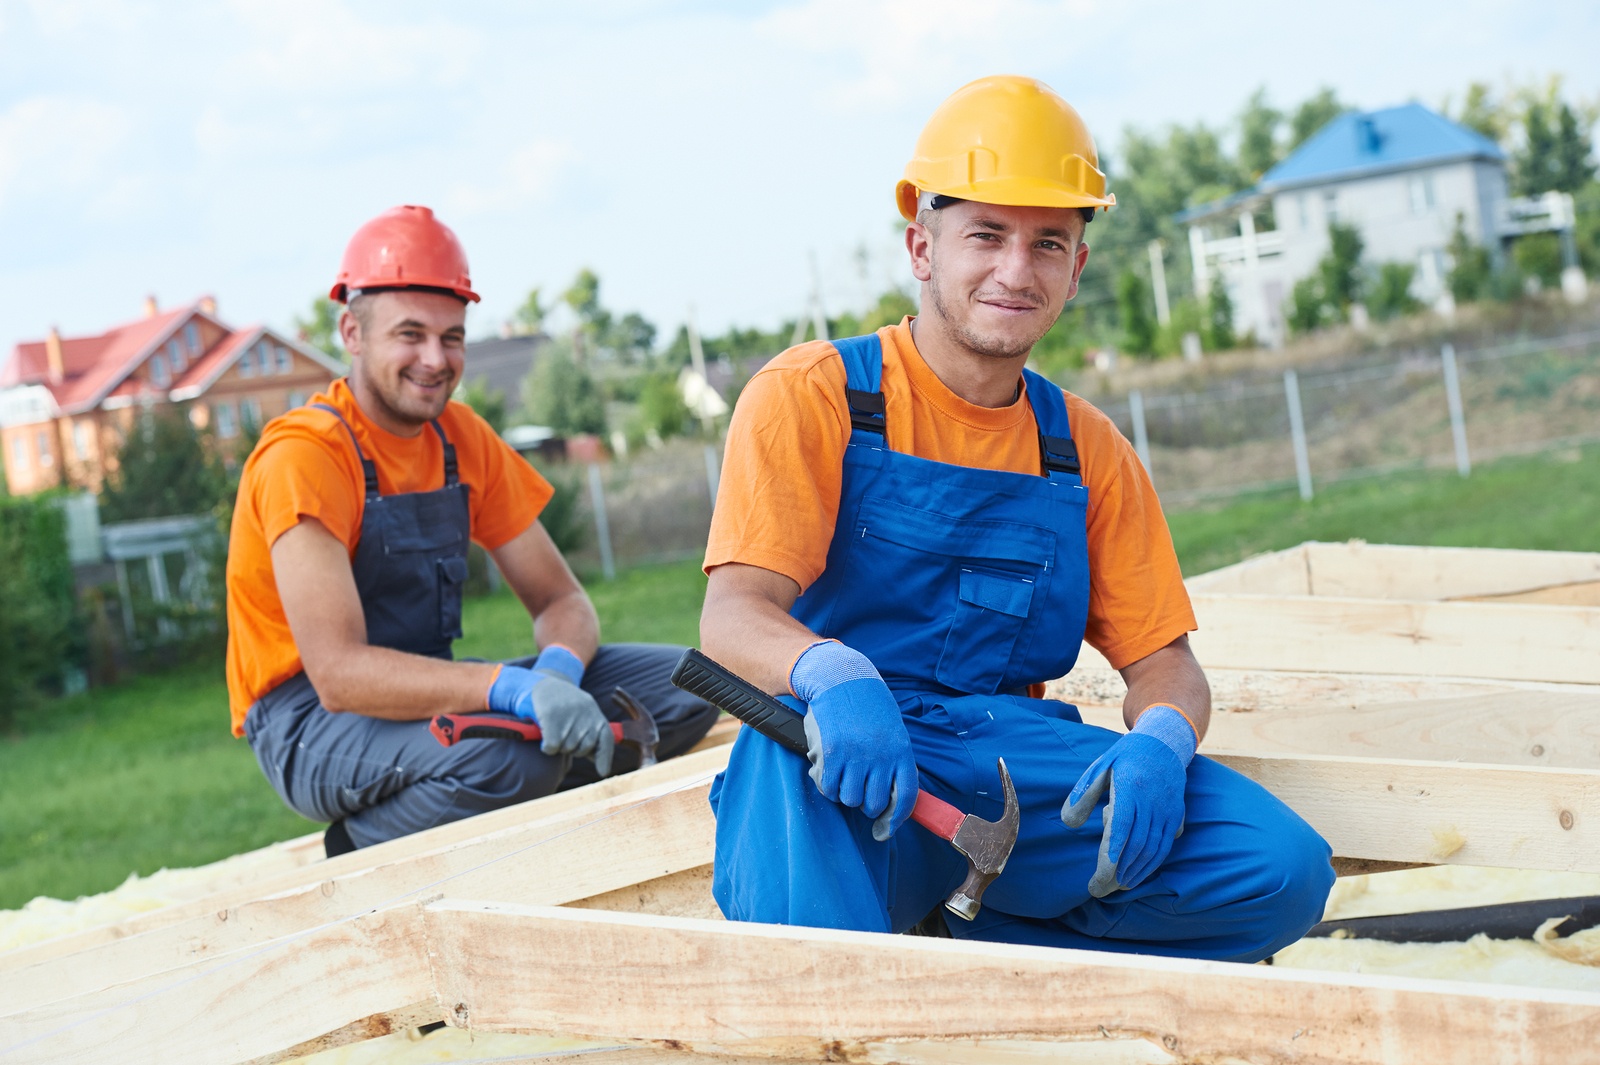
[[1401, 176]]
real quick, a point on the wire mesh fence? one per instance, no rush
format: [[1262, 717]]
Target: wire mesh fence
[[1378, 415]]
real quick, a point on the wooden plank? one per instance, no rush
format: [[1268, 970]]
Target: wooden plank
[[682, 894], [434, 839], [1274, 573], [1093, 682], [615, 843], [1586, 593], [1546, 728], [350, 981], [1516, 817], [1318, 634], [827, 995], [1394, 571]]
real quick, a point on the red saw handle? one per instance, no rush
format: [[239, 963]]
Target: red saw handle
[[449, 729]]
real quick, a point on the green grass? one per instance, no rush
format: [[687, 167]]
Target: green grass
[[1543, 502], [144, 774]]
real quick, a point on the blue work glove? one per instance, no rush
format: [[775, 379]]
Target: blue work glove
[[1146, 771], [548, 695], [859, 749]]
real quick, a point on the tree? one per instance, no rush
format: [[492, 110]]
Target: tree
[[38, 631], [1557, 155], [1307, 307], [1218, 331], [1482, 113], [1391, 291], [892, 306], [583, 296], [662, 410], [528, 318], [489, 402], [1470, 265], [165, 468], [1340, 269], [1258, 136], [320, 329], [1312, 115], [1133, 305], [562, 395], [632, 337]]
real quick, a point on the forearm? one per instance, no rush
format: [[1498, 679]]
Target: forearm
[[380, 682], [571, 622], [746, 627], [1170, 676]]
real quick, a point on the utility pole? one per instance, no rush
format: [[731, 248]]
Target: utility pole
[[1158, 281], [697, 359]]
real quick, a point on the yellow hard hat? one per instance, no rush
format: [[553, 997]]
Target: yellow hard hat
[[1007, 140]]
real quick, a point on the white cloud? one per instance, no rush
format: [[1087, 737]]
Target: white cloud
[[525, 176], [53, 143]]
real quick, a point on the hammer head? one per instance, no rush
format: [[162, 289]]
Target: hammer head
[[638, 727], [986, 846]]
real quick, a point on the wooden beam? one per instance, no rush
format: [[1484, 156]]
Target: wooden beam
[[1392, 571], [398, 850], [823, 995], [1483, 640], [346, 982], [1093, 682], [608, 845], [1545, 728], [1584, 594]]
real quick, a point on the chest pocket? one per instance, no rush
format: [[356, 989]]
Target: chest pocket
[[959, 590]]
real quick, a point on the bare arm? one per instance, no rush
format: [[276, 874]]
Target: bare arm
[[1169, 675], [745, 624], [318, 590], [560, 608]]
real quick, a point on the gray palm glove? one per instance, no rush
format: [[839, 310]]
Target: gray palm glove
[[568, 717]]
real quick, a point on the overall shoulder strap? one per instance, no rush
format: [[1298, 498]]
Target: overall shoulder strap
[[369, 471], [451, 472], [1058, 455], [863, 367]]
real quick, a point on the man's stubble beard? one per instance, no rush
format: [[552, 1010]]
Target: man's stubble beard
[[388, 402], [973, 342]]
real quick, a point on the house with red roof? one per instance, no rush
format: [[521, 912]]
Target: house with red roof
[[67, 403]]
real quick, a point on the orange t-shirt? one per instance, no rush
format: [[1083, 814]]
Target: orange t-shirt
[[306, 467], [783, 472]]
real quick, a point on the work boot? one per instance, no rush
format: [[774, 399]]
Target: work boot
[[337, 841]]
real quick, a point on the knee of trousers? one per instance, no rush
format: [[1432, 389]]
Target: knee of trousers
[[1290, 885], [503, 772]]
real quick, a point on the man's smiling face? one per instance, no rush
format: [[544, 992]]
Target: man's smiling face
[[406, 348], [997, 277]]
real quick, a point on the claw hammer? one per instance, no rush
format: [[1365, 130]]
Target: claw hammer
[[636, 730], [984, 844]]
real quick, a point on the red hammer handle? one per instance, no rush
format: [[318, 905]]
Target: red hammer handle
[[937, 816], [449, 729]]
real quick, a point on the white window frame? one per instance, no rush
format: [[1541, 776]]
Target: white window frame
[[160, 372], [1423, 199], [247, 363], [250, 412], [1302, 202], [176, 355], [19, 452], [41, 443], [227, 424], [191, 339], [297, 398], [80, 440], [285, 361], [1330, 207]]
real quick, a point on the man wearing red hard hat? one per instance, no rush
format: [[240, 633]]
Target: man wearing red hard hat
[[346, 562]]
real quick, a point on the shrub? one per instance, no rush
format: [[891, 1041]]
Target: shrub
[[38, 637]]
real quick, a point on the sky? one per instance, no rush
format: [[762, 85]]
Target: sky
[[694, 154]]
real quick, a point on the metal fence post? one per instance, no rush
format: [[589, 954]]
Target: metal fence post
[[602, 526], [1458, 419], [1297, 429], [1141, 435], [713, 473]]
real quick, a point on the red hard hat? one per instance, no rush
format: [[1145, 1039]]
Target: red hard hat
[[404, 247]]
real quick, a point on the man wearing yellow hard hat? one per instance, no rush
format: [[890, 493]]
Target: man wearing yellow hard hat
[[913, 533]]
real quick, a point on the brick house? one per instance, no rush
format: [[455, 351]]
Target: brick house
[[66, 403]]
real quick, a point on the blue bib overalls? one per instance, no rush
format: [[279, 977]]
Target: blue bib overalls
[[964, 586]]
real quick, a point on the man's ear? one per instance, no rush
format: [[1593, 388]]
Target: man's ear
[[1081, 257], [350, 332], [919, 245]]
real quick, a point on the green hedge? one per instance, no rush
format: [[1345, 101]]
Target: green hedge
[[39, 637]]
